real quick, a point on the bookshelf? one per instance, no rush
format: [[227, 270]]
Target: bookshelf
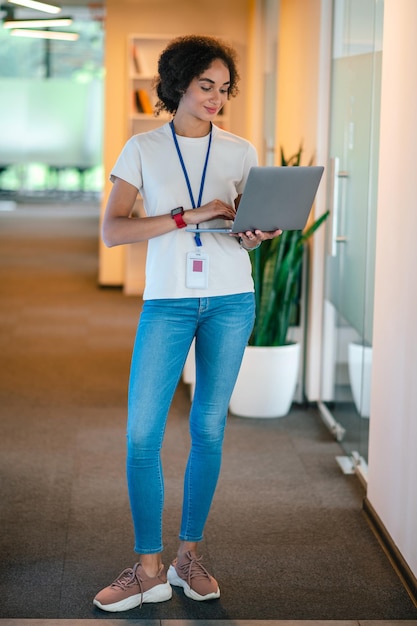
[[143, 51], [143, 54]]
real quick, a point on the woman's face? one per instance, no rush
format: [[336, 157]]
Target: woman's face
[[207, 94]]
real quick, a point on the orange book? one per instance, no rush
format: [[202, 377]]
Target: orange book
[[136, 60], [136, 103], [144, 101]]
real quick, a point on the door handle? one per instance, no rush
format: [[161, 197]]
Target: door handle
[[335, 176]]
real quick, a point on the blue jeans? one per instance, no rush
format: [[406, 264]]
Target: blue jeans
[[221, 326]]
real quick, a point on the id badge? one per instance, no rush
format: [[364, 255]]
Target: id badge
[[197, 270]]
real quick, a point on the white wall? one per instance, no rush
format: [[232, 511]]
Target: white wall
[[392, 482]]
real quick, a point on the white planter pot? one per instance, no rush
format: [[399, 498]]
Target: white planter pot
[[360, 366], [267, 380]]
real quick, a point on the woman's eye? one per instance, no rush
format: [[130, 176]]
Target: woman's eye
[[222, 91]]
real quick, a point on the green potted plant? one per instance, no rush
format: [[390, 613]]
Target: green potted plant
[[277, 266]]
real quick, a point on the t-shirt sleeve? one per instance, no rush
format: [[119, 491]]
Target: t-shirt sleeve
[[128, 166]]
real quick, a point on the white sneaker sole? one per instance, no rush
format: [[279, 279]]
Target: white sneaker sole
[[160, 593], [175, 580]]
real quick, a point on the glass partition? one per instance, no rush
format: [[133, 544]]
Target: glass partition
[[51, 112], [353, 167]]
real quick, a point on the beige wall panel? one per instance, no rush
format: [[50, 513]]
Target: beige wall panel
[[298, 75]]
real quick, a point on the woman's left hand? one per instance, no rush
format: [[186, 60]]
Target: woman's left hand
[[254, 239]]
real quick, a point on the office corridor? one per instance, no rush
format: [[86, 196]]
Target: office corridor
[[286, 538]]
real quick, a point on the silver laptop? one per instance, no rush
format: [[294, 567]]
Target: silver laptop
[[274, 197]]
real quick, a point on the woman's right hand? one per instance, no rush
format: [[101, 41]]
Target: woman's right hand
[[215, 209]]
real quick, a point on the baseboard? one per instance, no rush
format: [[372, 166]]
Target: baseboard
[[397, 560]]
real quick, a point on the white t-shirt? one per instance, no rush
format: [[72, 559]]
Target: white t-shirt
[[150, 162]]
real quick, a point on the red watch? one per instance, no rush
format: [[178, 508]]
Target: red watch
[[176, 215]]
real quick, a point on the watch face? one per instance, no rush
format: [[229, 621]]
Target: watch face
[[178, 211]]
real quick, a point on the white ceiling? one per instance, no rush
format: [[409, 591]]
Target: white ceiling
[[75, 8], [79, 3], [63, 3]]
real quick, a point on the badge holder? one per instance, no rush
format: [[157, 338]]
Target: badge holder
[[197, 270]]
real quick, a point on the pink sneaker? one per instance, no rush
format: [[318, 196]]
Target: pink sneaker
[[133, 588], [188, 572]]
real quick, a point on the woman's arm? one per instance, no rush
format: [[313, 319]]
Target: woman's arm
[[119, 227]]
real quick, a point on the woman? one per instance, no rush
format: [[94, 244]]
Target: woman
[[189, 172]]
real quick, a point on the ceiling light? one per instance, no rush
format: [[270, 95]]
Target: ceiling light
[[39, 6], [42, 23], [44, 34]]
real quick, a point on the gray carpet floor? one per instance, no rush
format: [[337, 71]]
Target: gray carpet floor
[[286, 537]]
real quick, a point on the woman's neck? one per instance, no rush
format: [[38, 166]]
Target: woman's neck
[[191, 127]]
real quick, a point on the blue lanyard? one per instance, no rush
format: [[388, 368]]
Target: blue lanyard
[[187, 180]]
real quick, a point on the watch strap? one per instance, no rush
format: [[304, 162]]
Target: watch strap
[[176, 215], [179, 221]]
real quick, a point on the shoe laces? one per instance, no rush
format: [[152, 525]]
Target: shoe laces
[[193, 568], [128, 578]]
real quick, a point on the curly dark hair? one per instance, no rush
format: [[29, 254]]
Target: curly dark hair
[[186, 58]]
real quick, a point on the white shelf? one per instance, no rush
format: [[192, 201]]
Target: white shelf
[[143, 54]]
